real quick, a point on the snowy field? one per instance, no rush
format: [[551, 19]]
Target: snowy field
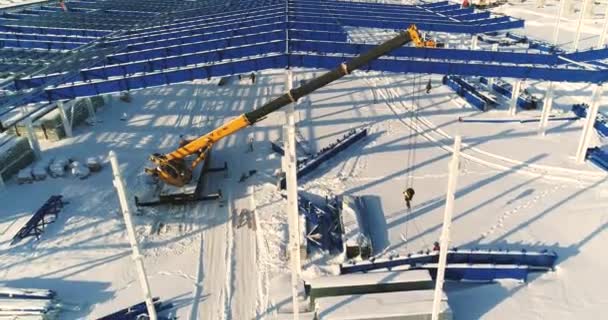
[[516, 189]]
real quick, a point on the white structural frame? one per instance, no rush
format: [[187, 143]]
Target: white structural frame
[[583, 144], [581, 17], [474, 42], [291, 179], [444, 240], [32, 138], [547, 105], [602, 40], [514, 96], [91, 110], [67, 125], [137, 257], [562, 6]]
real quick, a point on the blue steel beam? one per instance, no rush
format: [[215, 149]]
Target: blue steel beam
[[373, 15], [238, 66], [190, 36], [201, 21], [328, 47], [203, 28], [469, 28], [269, 16], [39, 44], [268, 43], [340, 7], [39, 37], [202, 14], [54, 31], [178, 61], [93, 88], [457, 68], [216, 44]]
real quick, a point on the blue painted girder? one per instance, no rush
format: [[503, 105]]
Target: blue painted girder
[[205, 52], [249, 64], [189, 36], [458, 68]]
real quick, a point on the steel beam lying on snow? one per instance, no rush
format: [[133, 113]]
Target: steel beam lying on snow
[[544, 260]]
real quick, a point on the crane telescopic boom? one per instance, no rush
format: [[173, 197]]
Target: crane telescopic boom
[[173, 169]]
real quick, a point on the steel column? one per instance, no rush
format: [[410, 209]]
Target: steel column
[[588, 129]]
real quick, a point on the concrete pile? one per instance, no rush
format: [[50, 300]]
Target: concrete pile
[[15, 154], [50, 126]]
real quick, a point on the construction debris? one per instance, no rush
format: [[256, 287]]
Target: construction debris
[[80, 170], [15, 154], [50, 125], [93, 164], [58, 167]]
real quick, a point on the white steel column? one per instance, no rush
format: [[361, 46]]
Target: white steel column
[[291, 178], [562, 5], [67, 125], [474, 42], [602, 40], [589, 8], [126, 213], [570, 6], [581, 16], [91, 110], [445, 230], [31, 137], [491, 79], [547, 104], [589, 123], [514, 96]]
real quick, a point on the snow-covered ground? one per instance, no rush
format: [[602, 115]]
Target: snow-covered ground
[[515, 189]]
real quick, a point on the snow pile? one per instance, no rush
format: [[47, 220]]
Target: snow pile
[[80, 170], [24, 176], [93, 164], [39, 171], [58, 167]]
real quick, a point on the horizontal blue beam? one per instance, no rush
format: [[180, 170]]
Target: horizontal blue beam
[[216, 27], [175, 61], [188, 36], [206, 57], [303, 15], [426, 53], [488, 25], [204, 21], [457, 68], [216, 44], [42, 37], [341, 8], [142, 81], [38, 44], [54, 31], [588, 55]]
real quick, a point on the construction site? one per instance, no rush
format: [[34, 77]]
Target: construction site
[[303, 159]]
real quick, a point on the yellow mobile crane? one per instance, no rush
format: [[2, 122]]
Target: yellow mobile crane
[[174, 169]]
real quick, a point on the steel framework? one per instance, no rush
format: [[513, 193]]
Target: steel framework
[[105, 46]]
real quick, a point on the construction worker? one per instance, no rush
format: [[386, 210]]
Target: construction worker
[[436, 246], [408, 195], [428, 87]]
